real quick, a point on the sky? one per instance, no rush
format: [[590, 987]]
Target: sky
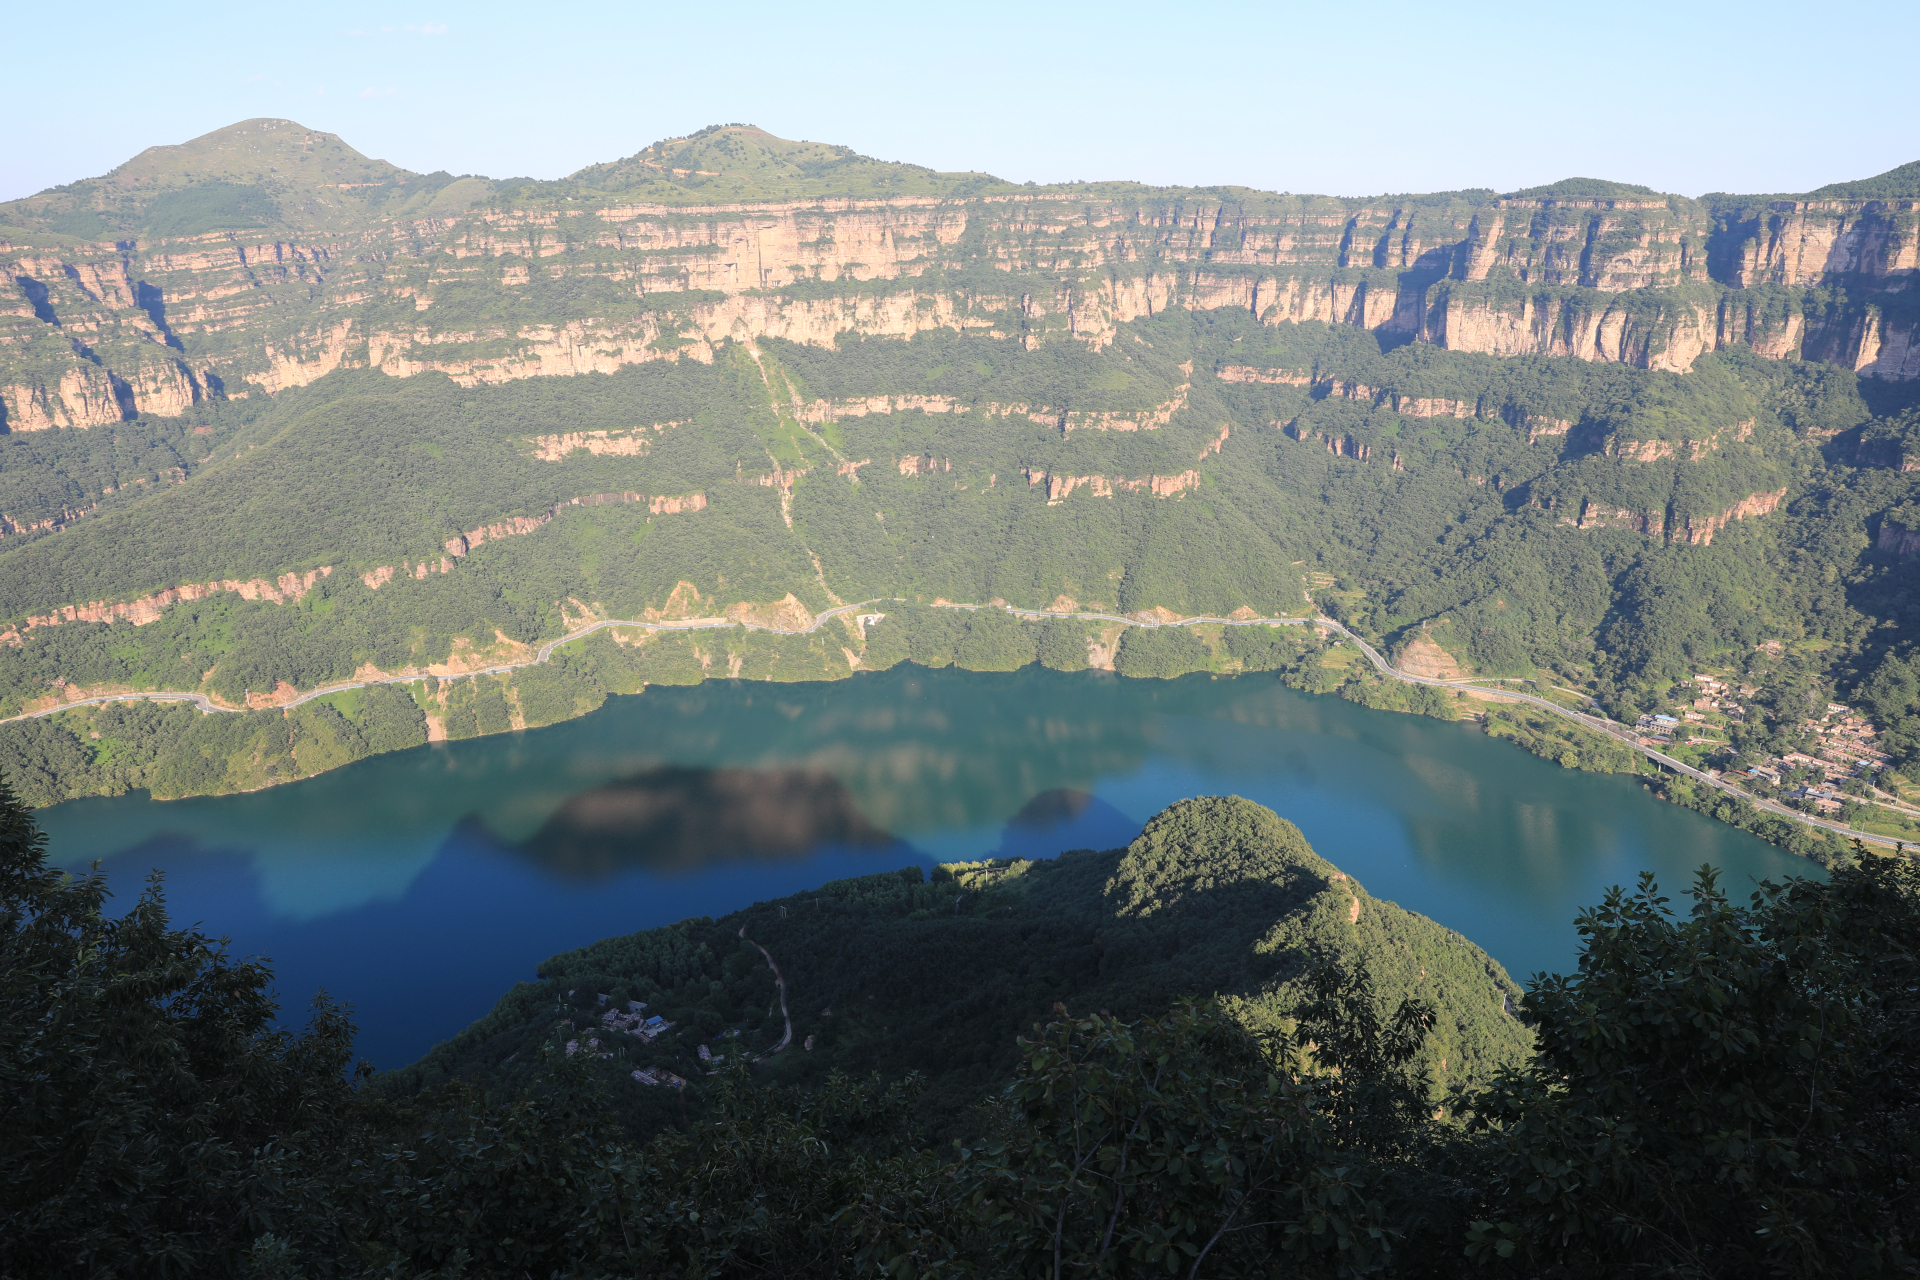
[[1328, 98]]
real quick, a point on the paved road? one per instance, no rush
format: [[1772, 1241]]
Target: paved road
[[199, 700], [1598, 724], [545, 652], [1619, 733]]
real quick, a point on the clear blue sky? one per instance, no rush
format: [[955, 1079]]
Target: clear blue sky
[[1340, 98]]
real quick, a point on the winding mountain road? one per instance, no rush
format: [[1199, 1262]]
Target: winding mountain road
[[1599, 724], [1596, 723], [541, 655], [1619, 733]]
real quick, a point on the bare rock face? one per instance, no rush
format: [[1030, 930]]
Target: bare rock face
[[1058, 487], [1898, 539], [287, 587], [786, 614], [303, 272], [1810, 242], [1694, 530]]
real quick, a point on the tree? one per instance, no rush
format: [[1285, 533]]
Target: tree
[[1063, 644], [1173, 1146], [148, 1109], [1159, 652], [1728, 1094], [1375, 1100]]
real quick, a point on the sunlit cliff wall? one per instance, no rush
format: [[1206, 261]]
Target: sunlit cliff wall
[[93, 333]]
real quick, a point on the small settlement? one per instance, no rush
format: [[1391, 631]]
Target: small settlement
[[1844, 761], [634, 1021]]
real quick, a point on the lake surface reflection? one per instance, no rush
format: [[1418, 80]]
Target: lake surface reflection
[[419, 886]]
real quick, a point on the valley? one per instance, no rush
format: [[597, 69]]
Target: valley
[[346, 448], [1245, 677], [373, 878]]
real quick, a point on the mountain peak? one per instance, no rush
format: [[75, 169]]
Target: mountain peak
[[744, 161], [246, 177], [261, 151], [1584, 189]]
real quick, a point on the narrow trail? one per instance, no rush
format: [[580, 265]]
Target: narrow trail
[[781, 983], [774, 402], [1597, 723]]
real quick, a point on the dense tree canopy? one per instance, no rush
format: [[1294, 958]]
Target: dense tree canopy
[[1610, 527]]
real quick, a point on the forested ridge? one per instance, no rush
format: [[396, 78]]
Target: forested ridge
[[1720, 1089], [901, 973]]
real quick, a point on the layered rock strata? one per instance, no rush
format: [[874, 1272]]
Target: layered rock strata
[[92, 333]]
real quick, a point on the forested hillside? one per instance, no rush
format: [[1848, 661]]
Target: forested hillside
[[523, 408], [1609, 527], [900, 973]]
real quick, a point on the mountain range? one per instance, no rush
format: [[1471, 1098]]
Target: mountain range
[[266, 255]]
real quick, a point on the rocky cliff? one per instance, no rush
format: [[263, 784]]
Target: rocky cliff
[[266, 256]]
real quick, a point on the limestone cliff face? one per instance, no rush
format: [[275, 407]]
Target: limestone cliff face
[[1898, 539], [288, 586], [1691, 450], [1607, 244], [1058, 487], [94, 333], [1871, 248], [1811, 242], [1694, 530]]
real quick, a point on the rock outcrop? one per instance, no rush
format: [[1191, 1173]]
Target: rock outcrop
[[1695, 530], [287, 587], [1898, 539], [1058, 486], [620, 444], [513, 526]]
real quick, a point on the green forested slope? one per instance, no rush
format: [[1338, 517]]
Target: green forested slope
[[896, 973], [1526, 515], [248, 177], [740, 162]]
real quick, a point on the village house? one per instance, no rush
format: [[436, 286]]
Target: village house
[[657, 1076]]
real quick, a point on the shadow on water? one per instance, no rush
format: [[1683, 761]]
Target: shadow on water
[[1064, 818], [676, 819]]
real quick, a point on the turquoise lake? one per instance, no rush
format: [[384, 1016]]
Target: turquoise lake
[[419, 886]]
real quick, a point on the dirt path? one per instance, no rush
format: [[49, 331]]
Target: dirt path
[[781, 983]]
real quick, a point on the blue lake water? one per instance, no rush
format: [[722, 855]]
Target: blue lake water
[[419, 886]]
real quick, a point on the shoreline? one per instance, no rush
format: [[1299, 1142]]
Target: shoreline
[[1598, 724]]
